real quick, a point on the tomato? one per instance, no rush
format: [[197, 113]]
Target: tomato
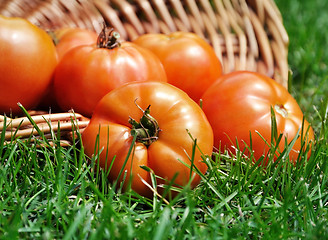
[[68, 38], [189, 61], [27, 62], [238, 106], [86, 73], [65, 39], [163, 143]]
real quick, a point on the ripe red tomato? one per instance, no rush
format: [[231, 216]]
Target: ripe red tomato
[[163, 143], [189, 61], [65, 39], [86, 73], [27, 62], [68, 38], [238, 105]]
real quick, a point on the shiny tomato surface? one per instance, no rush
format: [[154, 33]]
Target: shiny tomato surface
[[27, 62], [167, 149], [189, 61], [238, 106], [86, 73], [69, 38]]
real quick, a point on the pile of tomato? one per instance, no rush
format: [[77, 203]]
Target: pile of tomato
[[159, 106]]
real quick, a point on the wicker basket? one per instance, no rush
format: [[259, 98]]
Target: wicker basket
[[41, 125], [246, 34]]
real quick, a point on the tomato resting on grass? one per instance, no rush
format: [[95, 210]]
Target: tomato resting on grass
[[189, 61], [86, 73], [27, 62], [238, 106], [160, 115]]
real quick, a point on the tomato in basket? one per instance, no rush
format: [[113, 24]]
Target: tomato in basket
[[189, 61], [161, 117], [86, 73], [66, 39], [238, 106], [27, 62]]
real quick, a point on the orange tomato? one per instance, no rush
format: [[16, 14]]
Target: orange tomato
[[27, 62], [65, 39], [69, 38], [87, 73], [189, 61], [238, 106], [160, 115]]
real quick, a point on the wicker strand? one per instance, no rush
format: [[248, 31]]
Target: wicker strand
[[49, 124]]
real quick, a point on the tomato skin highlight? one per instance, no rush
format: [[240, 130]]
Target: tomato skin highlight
[[174, 111], [238, 105], [27, 62], [86, 73], [189, 61]]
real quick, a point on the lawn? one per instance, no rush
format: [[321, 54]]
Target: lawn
[[51, 192]]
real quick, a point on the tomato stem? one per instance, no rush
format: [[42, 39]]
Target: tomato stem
[[108, 38], [146, 129]]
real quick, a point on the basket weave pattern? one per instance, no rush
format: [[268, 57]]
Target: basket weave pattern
[[48, 124], [245, 34]]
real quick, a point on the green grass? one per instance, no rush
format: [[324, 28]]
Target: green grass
[[306, 22], [52, 193]]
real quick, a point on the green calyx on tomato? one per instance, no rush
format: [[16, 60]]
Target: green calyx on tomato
[[147, 129], [279, 108], [170, 148], [87, 73], [108, 38]]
